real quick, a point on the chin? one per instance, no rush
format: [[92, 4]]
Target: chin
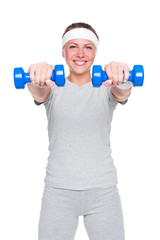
[[81, 72]]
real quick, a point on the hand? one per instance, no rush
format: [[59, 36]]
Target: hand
[[114, 71], [40, 74]]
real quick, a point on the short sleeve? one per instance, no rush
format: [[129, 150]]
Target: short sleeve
[[50, 97], [38, 103]]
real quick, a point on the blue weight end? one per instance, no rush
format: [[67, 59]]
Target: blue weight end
[[59, 75], [97, 75], [18, 78], [138, 75]]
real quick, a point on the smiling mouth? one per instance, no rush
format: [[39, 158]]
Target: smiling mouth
[[79, 63]]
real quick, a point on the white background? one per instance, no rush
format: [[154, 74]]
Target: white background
[[31, 32]]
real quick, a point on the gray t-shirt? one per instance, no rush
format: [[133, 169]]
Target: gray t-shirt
[[79, 124]]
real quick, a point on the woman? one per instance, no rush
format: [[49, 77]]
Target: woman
[[80, 177]]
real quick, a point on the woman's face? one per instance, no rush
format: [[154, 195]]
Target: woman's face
[[79, 55]]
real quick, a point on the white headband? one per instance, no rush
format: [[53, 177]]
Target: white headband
[[80, 33]]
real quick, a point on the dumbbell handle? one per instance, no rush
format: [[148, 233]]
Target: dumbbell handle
[[105, 76]]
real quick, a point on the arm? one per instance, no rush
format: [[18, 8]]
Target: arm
[[40, 94], [41, 84], [121, 94]]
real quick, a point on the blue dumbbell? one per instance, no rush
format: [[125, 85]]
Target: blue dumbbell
[[21, 78], [136, 76]]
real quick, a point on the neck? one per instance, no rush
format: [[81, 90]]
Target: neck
[[79, 79]]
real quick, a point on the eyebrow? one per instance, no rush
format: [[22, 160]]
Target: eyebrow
[[84, 44]]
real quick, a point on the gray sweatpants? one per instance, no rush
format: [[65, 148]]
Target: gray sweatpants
[[61, 208]]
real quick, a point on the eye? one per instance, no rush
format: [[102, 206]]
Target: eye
[[89, 47], [72, 46]]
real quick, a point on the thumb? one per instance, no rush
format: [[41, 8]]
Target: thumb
[[50, 83], [108, 83]]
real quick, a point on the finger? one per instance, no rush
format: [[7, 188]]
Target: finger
[[43, 73], [31, 71], [108, 83], [37, 73], [49, 72], [126, 72], [120, 73], [108, 71], [114, 72], [49, 83]]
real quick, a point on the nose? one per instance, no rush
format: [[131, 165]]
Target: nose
[[80, 53]]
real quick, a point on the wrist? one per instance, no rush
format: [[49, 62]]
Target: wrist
[[120, 94], [125, 85]]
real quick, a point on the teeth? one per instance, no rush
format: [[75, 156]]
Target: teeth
[[79, 63]]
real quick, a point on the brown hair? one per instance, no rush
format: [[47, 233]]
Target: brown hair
[[80, 25]]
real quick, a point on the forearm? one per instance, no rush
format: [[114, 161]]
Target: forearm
[[40, 94], [121, 94]]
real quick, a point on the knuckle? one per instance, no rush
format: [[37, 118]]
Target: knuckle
[[44, 65], [31, 68], [107, 67], [119, 67], [50, 66], [125, 66], [37, 65], [37, 68]]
